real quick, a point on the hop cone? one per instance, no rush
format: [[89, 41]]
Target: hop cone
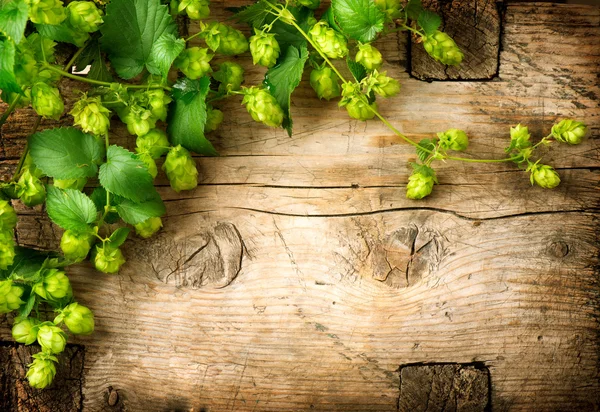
[[214, 118], [91, 116], [75, 246], [25, 331], [78, 318], [8, 216], [264, 48], [42, 370], [263, 107], [107, 259], [442, 48], [7, 251], [544, 176], [230, 75], [569, 131], [330, 42], [51, 338], [155, 143], [224, 39], [157, 101], [420, 182], [54, 285], [311, 4], [385, 86], [181, 169], [32, 191], [390, 7], [46, 11], [84, 16], [46, 101], [325, 83], [195, 9], [148, 227], [369, 57], [454, 139], [10, 296], [194, 62]]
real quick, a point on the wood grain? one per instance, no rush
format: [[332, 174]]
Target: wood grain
[[297, 277]]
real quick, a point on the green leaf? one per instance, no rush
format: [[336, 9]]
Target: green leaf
[[91, 56], [413, 9], [287, 35], [359, 19], [164, 52], [427, 144], [282, 79], [329, 17], [70, 209], [26, 264], [66, 153], [358, 71], [429, 21], [27, 307], [61, 33], [13, 19], [134, 213], [255, 15], [187, 116], [119, 236], [124, 175], [8, 81], [130, 29], [98, 196]]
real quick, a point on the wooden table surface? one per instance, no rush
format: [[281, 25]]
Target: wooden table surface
[[298, 277]]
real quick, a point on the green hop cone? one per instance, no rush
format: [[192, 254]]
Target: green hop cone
[[7, 249], [84, 16], [329, 41], [454, 139], [181, 169], [148, 227], [224, 39], [158, 103], [25, 331], [569, 131], [383, 85], [442, 48], [262, 106], [420, 182], [42, 370], [355, 103], [155, 143], [8, 216], [78, 318], [311, 4], [51, 338], [390, 7], [89, 114], [107, 259], [139, 120], [46, 101], [214, 118], [46, 11], [194, 62], [230, 75], [149, 163], [32, 191], [54, 285], [544, 176], [75, 246], [264, 48], [77, 184], [195, 9], [10, 296], [325, 83], [369, 56]]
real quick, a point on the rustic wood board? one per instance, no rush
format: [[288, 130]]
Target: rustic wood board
[[298, 277]]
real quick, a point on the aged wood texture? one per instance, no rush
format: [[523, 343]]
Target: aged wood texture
[[297, 276], [475, 26]]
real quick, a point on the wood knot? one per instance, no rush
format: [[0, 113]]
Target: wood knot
[[212, 257], [558, 249]]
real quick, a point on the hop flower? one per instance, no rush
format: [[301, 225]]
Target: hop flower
[[383, 85], [8, 217], [264, 48], [454, 139], [390, 7], [569, 131], [149, 163], [32, 192], [155, 143], [75, 246], [230, 75], [42, 370], [311, 4], [544, 176], [77, 184], [54, 285], [325, 83], [195, 9], [10, 296], [7, 251], [108, 259], [46, 101], [78, 318], [91, 115], [369, 56], [157, 102], [181, 169], [442, 48], [262, 106], [214, 117], [46, 11], [148, 227], [139, 120], [194, 62], [84, 16], [354, 102], [224, 39], [329, 41], [51, 338], [420, 182], [25, 331]]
